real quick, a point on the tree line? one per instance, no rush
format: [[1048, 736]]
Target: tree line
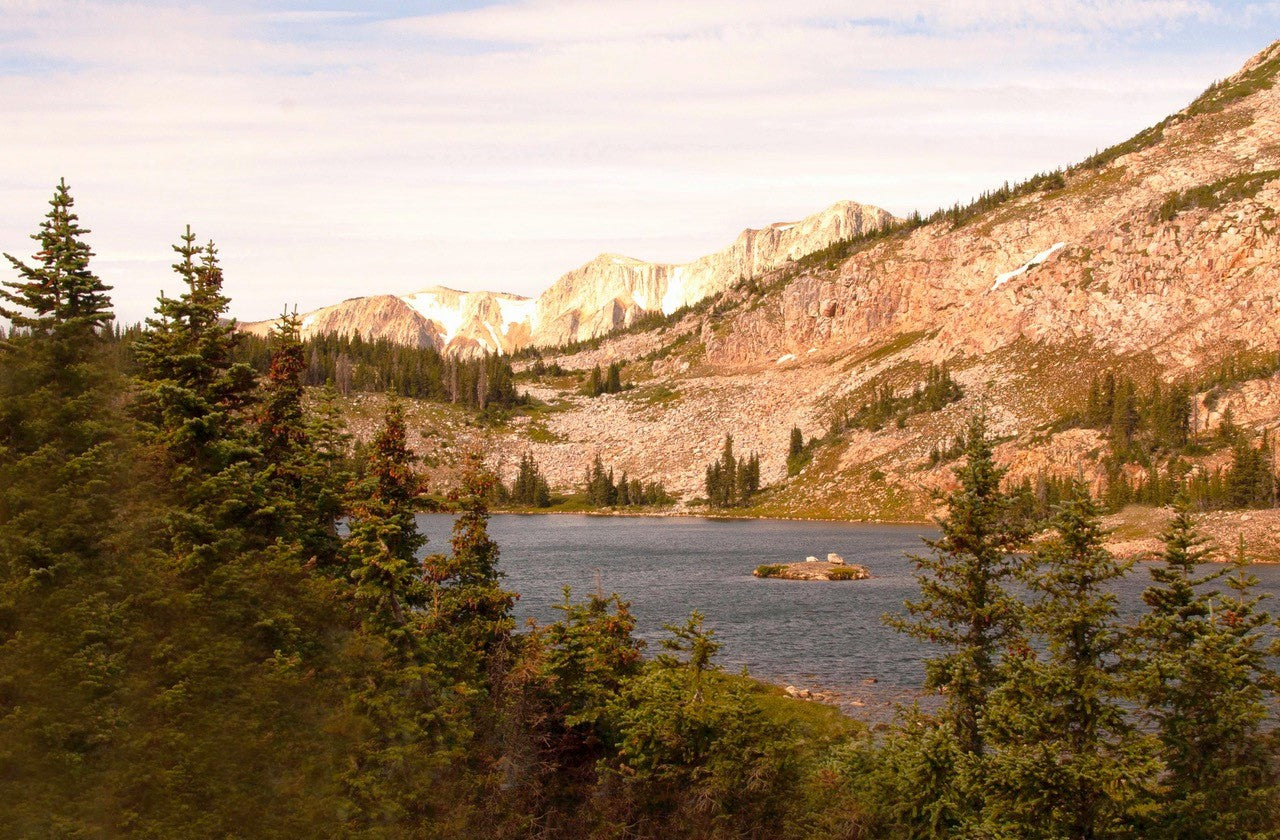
[[357, 364], [602, 490], [886, 406]]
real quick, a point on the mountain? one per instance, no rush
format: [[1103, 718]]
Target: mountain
[[449, 320], [610, 292], [1157, 259]]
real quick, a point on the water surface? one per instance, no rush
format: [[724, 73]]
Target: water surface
[[821, 635]]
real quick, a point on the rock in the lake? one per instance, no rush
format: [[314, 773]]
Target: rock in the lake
[[813, 570]]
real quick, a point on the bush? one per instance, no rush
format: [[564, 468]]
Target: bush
[[844, 573], [769, 571]]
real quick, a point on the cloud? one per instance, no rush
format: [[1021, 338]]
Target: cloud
[[340, 152]]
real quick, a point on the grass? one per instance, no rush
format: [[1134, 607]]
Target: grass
[[660, 395], [769, 570], [815, 722], [1215, 195], [537, 433]]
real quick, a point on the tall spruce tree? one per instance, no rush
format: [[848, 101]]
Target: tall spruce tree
[[68, 587], [1066, 761], [382, 546], [1204, 685], [965, 606]]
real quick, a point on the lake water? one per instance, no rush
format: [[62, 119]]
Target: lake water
[[825, 635]]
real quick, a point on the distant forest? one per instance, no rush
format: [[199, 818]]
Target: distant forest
[[355, 364]]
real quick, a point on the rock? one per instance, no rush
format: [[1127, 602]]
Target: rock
[[835, 559], [870, 681], [811, 559], [813, 570]]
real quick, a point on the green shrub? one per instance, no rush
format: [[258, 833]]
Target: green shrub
[[769, 571]]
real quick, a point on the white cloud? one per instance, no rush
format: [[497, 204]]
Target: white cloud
[[333, 154]]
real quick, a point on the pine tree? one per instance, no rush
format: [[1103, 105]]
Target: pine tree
[[964, 605], [1066, 761], [69, 586], [796, 447], [466, 599], [1204, 683], [193, 395], [60, 295], [384, 538]]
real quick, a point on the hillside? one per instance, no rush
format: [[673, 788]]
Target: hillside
[[605, 294], [1156, 257]]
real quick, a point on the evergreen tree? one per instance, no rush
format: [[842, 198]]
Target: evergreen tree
[[469, 599], [1066, 761], [1204, 686], [964, 605], [68, 585], [60, 296], [796, 447], [328, 472], [384, 539], [693, 752]]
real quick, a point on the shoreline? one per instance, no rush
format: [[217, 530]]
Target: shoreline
[[1138, 548], [678, 514]]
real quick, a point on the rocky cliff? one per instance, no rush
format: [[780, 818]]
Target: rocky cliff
[[609, 292], [612, 291]]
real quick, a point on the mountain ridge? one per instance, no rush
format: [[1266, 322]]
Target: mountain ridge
[[604, 294]]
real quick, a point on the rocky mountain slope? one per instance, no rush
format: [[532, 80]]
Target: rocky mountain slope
[[1158, 257], [612, 291], [609, 292]]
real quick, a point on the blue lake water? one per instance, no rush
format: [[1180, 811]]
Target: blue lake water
[[825, 635]]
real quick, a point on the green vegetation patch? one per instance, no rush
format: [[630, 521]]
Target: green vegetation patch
[[1218, 194], [1221, 94], [655, 395]]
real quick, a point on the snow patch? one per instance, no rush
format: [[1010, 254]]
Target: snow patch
[[307, 322], [790, 357], [429, 305], [1001, 279], [673, 298], [517, 311]]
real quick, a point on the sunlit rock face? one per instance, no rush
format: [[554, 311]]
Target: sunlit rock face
[[606, 294]]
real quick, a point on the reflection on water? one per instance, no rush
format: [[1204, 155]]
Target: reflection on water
[[825, 635]]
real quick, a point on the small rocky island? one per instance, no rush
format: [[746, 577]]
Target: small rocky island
[[833, 568]]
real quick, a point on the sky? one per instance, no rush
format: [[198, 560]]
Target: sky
[[336, 149]]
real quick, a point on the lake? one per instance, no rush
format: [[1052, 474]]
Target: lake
[[826, 635]]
